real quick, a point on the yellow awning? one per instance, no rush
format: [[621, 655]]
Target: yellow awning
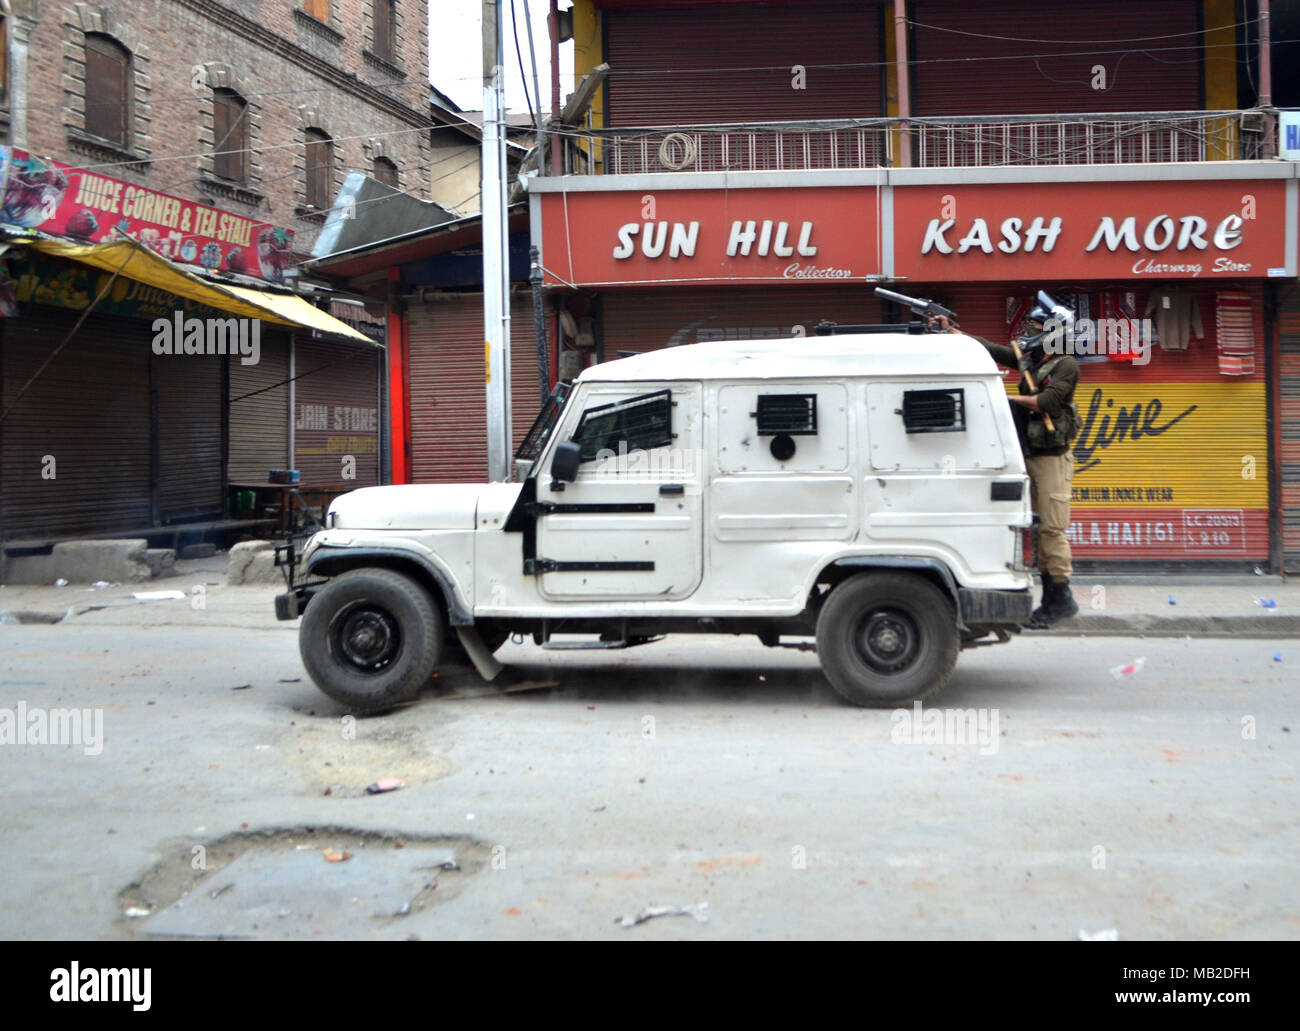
[[135, 261]]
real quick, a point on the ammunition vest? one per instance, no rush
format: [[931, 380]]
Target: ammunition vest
[[1065, 426]]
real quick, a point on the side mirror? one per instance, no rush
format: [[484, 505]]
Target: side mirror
[[568, 456]]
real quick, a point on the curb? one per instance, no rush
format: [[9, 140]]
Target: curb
[[1176, 626]]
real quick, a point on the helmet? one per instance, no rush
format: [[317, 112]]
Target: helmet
[[1054, 319]]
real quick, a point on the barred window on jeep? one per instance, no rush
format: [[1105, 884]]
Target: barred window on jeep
[[934, 411], [793, 414], [637, 424]]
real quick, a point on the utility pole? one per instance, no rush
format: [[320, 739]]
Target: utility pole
[[496, 248], [1266, 78], [904, 85]]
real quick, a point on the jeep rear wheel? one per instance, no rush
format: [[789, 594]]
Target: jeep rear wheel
[[370, 639], [885, 638]]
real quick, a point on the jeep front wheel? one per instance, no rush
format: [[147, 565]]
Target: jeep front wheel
[[370, 639], [885, 638]]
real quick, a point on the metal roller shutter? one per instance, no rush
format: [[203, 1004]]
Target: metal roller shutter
[[1203, 426], [336, 413], [645, 320], [1289, 418], [448, 407], [964, 72], [259, 413], [448, 393], [735, 64], [189, 393], [99, 443]]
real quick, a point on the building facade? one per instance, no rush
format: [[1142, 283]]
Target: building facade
[[203, 143], [258, 108], [750, 170]]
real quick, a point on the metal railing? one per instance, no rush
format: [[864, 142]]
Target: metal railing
[[989, 141]]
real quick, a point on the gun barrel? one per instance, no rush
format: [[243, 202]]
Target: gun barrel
[[890, 295]]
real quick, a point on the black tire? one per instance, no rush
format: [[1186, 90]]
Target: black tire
[[370, 639], [886, 638]]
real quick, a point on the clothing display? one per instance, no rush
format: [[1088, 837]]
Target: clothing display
[[1236, 324], [1118, 332], [1178, 316]]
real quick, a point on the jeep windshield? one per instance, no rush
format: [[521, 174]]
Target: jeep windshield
[[540, 432]]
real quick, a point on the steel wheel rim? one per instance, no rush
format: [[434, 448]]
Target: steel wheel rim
[[888, 640], [365, 637]]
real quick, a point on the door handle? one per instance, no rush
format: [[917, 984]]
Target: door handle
[[672, 488]]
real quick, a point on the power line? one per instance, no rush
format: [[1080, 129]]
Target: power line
[[523, 75], [1127, 39]]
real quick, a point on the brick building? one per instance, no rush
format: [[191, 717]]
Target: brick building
[[213, 134], [301, 90]]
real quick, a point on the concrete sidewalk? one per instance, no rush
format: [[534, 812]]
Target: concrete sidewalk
[[1112, 605], [1176, 606]]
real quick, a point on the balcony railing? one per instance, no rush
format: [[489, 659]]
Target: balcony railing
[[1083, 139]]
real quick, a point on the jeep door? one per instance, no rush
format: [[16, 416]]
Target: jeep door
[[630, 524]]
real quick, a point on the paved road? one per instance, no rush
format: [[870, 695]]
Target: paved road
[[696, 770]]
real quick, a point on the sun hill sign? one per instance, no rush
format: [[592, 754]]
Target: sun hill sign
[[1023, 231]]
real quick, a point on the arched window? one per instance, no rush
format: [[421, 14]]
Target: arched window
[[386, 172], [229, 135], [319, 161], [108, 89]]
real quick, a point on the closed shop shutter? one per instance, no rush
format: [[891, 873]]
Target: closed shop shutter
[[1289, 416], [645, 320], [448, 392], [1171, 465], [89, 412], [969, 70], [736, 64], [448, 408], [336, 414], [259, 412], [189, 393]]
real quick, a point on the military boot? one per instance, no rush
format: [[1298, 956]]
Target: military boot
[[1038, 618], [1058, 604], [1063, 605]]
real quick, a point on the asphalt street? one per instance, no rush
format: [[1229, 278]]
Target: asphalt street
[[1062, 787]]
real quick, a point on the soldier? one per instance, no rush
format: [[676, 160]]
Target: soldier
[[1048, 457]]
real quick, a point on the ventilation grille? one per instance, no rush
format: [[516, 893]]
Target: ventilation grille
[[934, 411], [791, 414]]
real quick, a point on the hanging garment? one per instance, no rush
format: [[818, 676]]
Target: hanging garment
[[1235, 318], [1118, 329], [1177, 317]]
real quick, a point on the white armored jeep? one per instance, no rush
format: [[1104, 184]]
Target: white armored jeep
[[866, 491]]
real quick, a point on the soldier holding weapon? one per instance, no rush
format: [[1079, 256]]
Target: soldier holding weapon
[[1048, 422]]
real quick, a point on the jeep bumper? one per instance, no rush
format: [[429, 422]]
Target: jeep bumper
[[291, 604], [992, 608]]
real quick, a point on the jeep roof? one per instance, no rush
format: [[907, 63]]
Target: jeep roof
[[849, 355]]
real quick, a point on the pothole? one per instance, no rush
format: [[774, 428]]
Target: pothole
[[28, 616], [295, 883]]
